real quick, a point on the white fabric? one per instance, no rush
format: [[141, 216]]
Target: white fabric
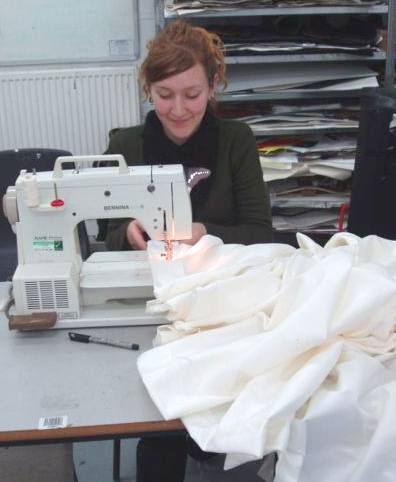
[[288, 350]]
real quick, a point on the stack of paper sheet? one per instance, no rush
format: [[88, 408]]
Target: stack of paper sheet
[[291, 147], [294, 47], [267, 124], [294, 34], [312, 220], [333, 157], [306, 76], [185, 7], [309, 181]]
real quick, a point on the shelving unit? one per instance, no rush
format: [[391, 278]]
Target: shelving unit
[[163, 15], [285, 95], [297, 58], [389, 81], [384, 59]]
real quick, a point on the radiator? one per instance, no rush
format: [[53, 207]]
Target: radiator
[[71, 109]]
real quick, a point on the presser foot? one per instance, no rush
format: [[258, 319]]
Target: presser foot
[[168, 255]]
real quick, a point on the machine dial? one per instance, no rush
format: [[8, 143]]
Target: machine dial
[[10, 208]]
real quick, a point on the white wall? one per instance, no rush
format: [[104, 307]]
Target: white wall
[[146, 31], [44, 31], [147, 22]]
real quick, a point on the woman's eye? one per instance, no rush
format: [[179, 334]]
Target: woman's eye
[[192, 96]]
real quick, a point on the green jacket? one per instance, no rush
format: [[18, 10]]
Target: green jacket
[[237, 209]]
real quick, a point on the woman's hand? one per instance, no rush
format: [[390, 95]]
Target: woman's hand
[[135, 235], [197, 230]]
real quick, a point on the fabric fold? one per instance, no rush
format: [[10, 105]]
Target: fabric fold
[[272, 348]]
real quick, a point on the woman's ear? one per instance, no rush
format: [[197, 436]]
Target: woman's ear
[[147, 93], [213, 87], [215, 83]]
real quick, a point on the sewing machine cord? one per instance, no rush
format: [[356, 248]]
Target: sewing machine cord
[[10, 302]]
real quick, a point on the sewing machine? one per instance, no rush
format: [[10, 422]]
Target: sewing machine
[[52, 285]]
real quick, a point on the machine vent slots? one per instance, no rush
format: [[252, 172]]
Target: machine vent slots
[[46, 295], [62, 299], [32, 295]]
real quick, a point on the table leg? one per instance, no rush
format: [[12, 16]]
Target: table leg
[[116, 459]]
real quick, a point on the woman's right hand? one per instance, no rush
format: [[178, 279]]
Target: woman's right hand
[[135, 235]]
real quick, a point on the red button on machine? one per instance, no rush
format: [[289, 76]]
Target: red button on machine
[[57, 203]]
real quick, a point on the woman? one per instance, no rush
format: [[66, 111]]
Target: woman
[[180, 75], [183, 68]]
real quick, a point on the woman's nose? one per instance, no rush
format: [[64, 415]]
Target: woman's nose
[[178, 107]]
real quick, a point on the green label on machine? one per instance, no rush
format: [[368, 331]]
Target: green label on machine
[[48, 244]]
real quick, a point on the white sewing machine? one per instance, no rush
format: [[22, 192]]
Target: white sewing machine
[[52, 286]]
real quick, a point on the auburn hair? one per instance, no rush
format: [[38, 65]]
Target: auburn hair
[[178, 47]]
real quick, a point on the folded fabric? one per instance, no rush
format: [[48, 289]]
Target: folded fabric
[[190, 289], [273, 348]]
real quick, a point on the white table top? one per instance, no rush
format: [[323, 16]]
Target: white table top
[[44, 374]]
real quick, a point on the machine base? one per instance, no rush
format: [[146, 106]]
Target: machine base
[[113, 313]]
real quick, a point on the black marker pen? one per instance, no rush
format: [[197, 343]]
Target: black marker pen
[[102, 341]]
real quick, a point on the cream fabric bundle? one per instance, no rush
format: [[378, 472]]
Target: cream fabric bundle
[[288, 350], [191, 289]]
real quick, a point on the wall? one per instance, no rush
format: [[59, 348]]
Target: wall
[[17, 61], [44, 31]]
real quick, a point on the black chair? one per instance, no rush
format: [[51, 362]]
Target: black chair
[[373, 196], [11, 163], [102, 223]]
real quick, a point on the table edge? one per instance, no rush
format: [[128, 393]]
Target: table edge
[[91, 432]]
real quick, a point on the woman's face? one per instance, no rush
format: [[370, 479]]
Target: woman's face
[[180, 102]]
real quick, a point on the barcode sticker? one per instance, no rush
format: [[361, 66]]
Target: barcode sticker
[[52, 422]]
